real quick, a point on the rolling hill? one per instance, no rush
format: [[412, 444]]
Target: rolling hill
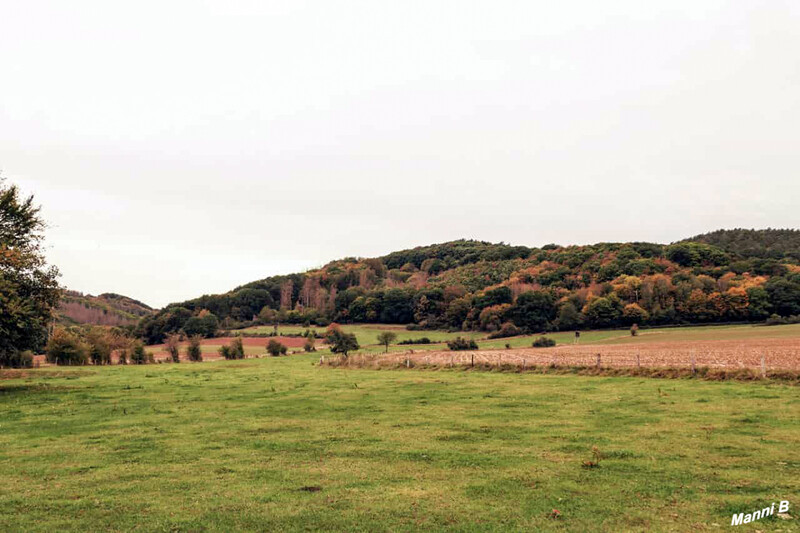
[[107, 309], [724, 276]]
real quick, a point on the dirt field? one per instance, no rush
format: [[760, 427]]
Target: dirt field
[[783, 353], [252, 345]]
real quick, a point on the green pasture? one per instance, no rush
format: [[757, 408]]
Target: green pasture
[[281, 444]]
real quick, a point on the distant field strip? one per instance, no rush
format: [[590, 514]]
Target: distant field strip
[[783, 353]]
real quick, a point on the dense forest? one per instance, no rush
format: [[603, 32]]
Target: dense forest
[[724, 276]]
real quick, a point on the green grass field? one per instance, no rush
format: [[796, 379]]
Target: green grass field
[[278, 444], [367, 333]]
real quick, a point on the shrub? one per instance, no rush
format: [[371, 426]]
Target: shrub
[[275, 348], [237, 347], [235, 350], [309, 345], [173, 347], [138, 354], [634, 330], [193, 351], [421, 340], [460, 343], [508, 329], [544, 342], [123, 356], [65, 348]]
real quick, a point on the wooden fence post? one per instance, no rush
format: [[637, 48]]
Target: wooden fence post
[[694, 362], [638, 360], [598, 360], [472, 363], [763, 366]]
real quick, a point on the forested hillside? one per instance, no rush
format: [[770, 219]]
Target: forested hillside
[[107, 309], [479, 285], [768, 243]]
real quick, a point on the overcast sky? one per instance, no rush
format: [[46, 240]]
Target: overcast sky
[[182, 148]]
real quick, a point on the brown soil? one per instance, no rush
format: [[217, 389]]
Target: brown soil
[[778, 354]]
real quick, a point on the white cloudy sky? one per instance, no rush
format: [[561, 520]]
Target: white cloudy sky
[[181, 148]]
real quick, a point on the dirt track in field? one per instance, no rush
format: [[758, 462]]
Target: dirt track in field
[[778, 354]]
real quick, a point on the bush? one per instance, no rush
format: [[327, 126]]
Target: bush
[[233, 351], [275, 348], [634, 330], [173, 347], [508, 329], [421, 340], [777, 320], [65, 348], [139, 356], [544, 342], [460, 343], [309, 345], [124, 355], [193, 351]]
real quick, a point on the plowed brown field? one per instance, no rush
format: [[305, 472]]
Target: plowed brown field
[[252, 345], [778, 354]]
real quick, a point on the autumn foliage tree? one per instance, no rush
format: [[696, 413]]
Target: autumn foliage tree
[[66, 348]]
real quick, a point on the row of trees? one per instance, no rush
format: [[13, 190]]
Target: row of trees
[[95, 345]]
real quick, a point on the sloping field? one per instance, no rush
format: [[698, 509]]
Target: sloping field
[[778, 353]]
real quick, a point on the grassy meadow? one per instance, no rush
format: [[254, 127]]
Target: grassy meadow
[[367, 333], [281, 444]]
